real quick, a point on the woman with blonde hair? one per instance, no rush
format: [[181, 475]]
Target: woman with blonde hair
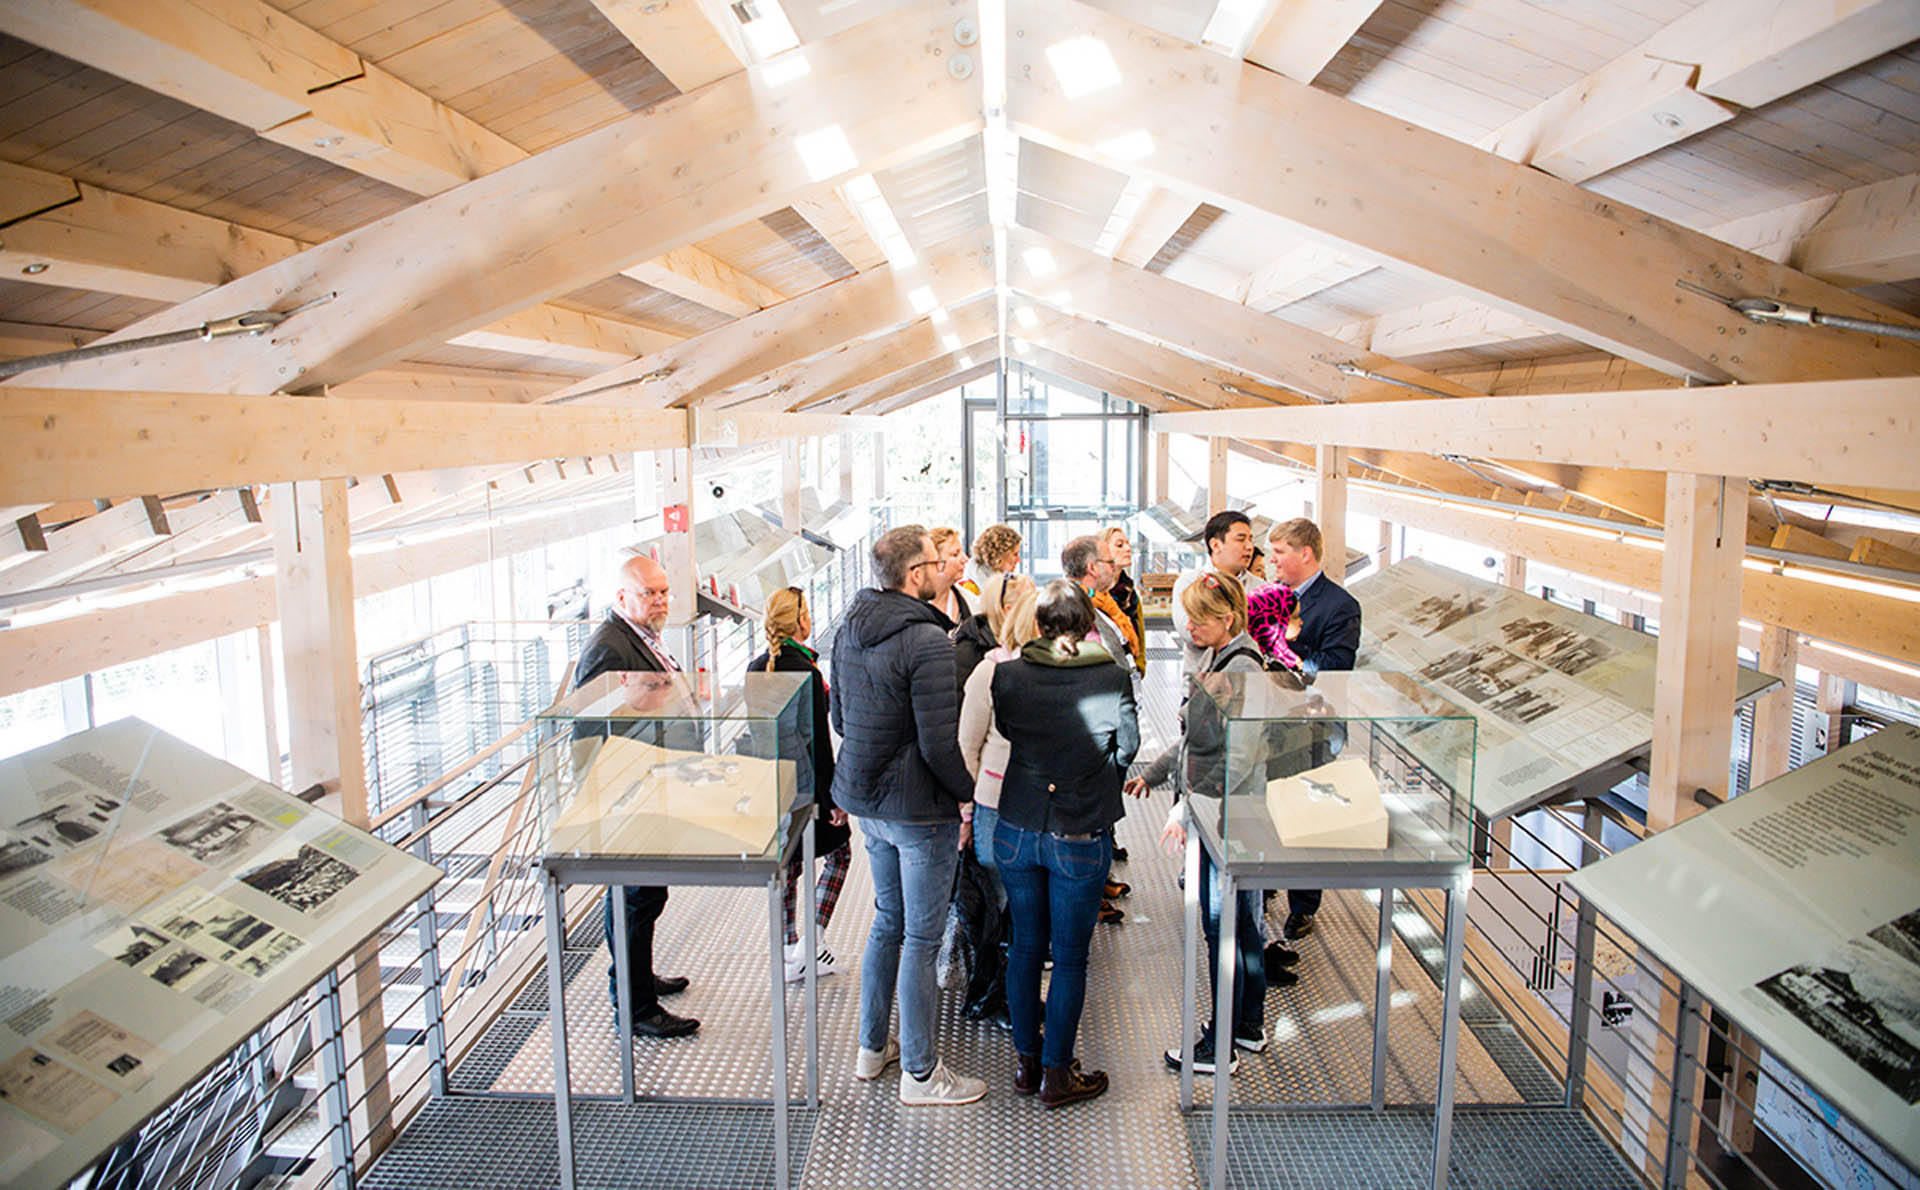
[[788, 626], [995, 551]]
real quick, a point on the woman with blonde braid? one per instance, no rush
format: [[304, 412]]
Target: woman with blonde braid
[[787, 629]]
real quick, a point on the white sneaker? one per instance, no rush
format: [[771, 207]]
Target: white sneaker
[[872, 1063], [797, 963], [940, 1086]]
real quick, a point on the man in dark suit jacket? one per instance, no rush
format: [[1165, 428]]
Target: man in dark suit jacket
[[1325, 636], [628, 641]]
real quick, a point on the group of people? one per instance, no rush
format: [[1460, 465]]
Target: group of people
[[978, 711]]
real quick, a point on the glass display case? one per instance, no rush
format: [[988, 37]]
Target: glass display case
[[666, 765], [1363, 768]]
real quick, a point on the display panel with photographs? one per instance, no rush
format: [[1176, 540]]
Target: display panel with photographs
[[156, 906], [1795, 909], [1557, 692]]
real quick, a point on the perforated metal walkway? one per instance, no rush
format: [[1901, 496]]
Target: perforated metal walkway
[[1133, 1136]]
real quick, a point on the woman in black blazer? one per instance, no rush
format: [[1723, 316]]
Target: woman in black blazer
[[1067, 711], [787, 629]]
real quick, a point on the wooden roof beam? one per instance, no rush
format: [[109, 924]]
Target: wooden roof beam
[[631, 191], [1521, 240], [809, 382], [1868, 431], [699, 276], [1696, 73], [107, 242], [692, 42], [1299, 37]]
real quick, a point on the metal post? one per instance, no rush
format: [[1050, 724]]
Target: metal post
[[622, 990], [557, 1021], [1382, 997], [1686, 1043], [1450, 1025], [810, 942], [1592, 822], [1223, 1024], [333, 1073], [430, 960], [1582, 1005], [1189, 960], [776, 935]]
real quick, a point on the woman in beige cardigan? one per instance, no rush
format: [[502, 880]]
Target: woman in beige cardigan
[[1009, 603]]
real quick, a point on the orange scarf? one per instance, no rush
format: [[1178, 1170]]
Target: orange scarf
[[1103, 601]]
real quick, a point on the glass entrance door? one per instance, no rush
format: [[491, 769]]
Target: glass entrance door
[[1072, 462]]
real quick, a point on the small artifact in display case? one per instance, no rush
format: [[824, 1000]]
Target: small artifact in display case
[[640, 797], [1334, 805]]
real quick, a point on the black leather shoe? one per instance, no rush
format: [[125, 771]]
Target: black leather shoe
[[669, 985], [661, 1023], [1119, 854], [1061, 1085], [1279, 955], [1026, 1074], [1299, 925]]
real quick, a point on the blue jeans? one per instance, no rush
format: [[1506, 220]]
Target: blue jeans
[[986, 819], [912, 866], [1053, 895], [1249, 932]]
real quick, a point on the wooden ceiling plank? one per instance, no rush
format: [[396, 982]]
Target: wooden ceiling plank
[[692, 42], [631, 191], [1163, 212], [1867, 433], [891, 402], [1522, 240], [832, 216], [1299, 37], [18, 339], [810, 382]]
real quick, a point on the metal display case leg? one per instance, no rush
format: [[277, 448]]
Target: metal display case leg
[[1680, 1084], [622, 991], [333, 1069], [1223, 1024], [1382, 998], [1450, 1026], [777, 973], [1581, 1007], [804, 897], [557, 1021], [1190, 968]]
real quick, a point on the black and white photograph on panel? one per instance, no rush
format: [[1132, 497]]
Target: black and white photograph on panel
[[1557, 646], [304, 880], [1864, 997], [1437, 613], [18, 855], [217, 835], [66, 825], [1481, 672], [179, 969]]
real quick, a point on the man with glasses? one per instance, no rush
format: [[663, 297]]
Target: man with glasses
[[894, 702], [1088, 561], [1228, 540], [628, 641]]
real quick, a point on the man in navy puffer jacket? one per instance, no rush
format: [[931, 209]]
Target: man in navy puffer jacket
[[899, 772]]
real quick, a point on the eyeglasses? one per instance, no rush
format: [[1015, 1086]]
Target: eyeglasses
[[928, 562]]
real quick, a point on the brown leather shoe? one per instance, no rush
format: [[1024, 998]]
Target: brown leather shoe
[[1110, 913], [1061, 1085], [1026, 1074], [1116, 889]]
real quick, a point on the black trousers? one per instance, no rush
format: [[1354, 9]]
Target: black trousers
[[644, 905], [1303, 900]]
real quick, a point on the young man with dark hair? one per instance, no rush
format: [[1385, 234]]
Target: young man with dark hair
[[1228, 539]]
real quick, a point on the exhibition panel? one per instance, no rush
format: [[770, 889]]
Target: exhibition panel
[[157, 906]]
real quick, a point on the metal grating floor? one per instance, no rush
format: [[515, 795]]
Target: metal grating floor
[[509, 1144], [1133, 1136], [1531, 1149]]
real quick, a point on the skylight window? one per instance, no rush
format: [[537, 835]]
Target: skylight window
[[1134, 146], [1083, 65]]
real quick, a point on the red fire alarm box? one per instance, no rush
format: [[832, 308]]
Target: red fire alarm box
[[675, 517]]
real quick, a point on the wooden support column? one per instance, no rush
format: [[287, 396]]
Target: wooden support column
[[1216, 475], [1835, 694], [313, 582], [879, 467], [846, 468], [1699, 644], [269, 702], [1162, 465], [1388, 536], [790, 485], [1330, 497], [1515, 575]]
